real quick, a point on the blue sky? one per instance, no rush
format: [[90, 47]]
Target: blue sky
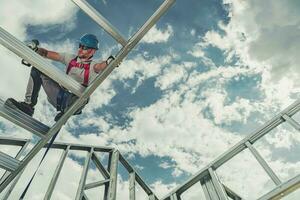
[[207, 74]]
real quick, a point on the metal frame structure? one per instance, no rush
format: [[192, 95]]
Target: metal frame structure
[[215, 190], [16, 166], [207, 177], [109, 173]]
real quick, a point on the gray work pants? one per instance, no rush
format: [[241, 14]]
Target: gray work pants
[[36, 80]]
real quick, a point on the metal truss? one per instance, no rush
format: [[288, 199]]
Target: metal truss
[[207, 177], [14, 166], [109, 173], [213, 188]]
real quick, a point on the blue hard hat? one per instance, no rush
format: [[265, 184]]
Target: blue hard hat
[[89, 40]]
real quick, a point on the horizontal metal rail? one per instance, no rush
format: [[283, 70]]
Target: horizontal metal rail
[[95, 184]]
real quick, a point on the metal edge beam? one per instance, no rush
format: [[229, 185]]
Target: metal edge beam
[[55, 145], [100, 167], [283, 189], [291, 121], [132, 186], [18, 156], [263, 164], [217, 184], [82, 181], [231, 193], [150, 22], [138, 178], [8, 162], [113, 176], [12, 186], [95, 184], [100, 20], [56, 173]]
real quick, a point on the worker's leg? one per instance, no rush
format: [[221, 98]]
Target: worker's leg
[[31, 95], [33, 87], [51, 88]]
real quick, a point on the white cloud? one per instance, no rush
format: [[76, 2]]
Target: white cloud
[[273, 36], [156, 35], [172, 75], [34, 12]]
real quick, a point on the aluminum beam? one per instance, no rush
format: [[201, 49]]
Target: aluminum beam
[[21, 119], [100, 167], [18, 156], [231, 193], [264, 164], [291, 121], [217, 185], [8, 163], [56, 174], [100, 20], [208, 188], [113, 176], [132, 186], [283, 189], [82, 181], [6, 174], [95, 184]]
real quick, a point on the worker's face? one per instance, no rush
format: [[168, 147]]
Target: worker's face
[[85, 52]]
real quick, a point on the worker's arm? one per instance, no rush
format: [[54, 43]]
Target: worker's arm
[[49, 54], [100, 66]]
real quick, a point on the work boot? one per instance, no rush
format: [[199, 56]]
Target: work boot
[[22, 106], [58, 116]]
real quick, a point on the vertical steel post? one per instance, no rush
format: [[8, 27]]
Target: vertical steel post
[[217, 185], [264, 164], [113, 175], [14, 183], [132, 186], [208, 188], [79, 193], [56, 174]]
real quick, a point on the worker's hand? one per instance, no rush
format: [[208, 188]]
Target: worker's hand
[[110, 59], [33, 44], [43, 52]]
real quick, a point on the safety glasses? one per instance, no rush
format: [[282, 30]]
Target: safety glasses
[[84, 47]]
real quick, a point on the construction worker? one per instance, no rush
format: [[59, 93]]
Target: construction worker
[[80, 67]]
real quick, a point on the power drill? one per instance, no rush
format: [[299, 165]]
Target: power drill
[[34, 45]]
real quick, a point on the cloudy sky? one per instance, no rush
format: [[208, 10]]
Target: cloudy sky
[[207, 74]]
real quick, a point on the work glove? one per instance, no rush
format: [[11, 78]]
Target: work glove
[[33, 44], [110, 59]]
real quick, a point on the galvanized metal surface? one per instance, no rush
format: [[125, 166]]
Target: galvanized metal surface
[[21, 119]]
